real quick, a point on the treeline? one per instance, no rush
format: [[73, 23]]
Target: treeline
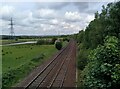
[[99, 50], [105, 23], [32, 37]]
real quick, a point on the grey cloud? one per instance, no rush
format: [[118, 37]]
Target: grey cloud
[[52, 5], [39, 21], [72, 21], [42, 21], [58, 5], [88, 7], [81, 5], [22, 23], [32, 25]]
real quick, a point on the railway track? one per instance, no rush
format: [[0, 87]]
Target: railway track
[[60, 72]]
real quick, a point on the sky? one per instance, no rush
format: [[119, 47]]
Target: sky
[[47, 18]]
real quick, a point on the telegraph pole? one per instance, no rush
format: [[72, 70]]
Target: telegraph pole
[[12, 34]]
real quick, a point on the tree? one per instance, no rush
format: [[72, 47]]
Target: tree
[[58, 45], [107, 23], [80, 36], [96, 15]]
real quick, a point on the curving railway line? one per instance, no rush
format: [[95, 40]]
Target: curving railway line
[[58, 72]]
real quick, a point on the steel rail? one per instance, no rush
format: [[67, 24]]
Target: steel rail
[[27, 86], [65, 73]]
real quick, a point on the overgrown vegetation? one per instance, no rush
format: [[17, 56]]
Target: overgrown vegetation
[[13, 75], [83, 60], [19, 60], [103, 70], [99, 50]]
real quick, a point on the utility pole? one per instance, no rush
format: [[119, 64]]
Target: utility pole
[[12, 34]]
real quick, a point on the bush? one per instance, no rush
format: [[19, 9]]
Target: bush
[[58, 45], [53, 40], [40, 42], [103, 70], [16, 39], [38, 58], [44, 42], [66, 39], [82, 58]]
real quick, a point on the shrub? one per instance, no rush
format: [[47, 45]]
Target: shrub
[[82, 59], [103, 70], [82, 56], [16, 39], [44, 42], [3, 54], [58, 45], [38, 58], [66, 39], [12, 76], [53, 40], [40, 42]]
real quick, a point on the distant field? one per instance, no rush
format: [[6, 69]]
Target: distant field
[[20, 40], [15, 56], [2, 42], [18, 61]]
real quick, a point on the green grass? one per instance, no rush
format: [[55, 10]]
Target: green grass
[[8, 41], [2, 42], [18, 61], [64, 43], [15, 56], [0, 67]]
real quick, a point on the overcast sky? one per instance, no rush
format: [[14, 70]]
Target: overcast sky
[[47, 18]]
